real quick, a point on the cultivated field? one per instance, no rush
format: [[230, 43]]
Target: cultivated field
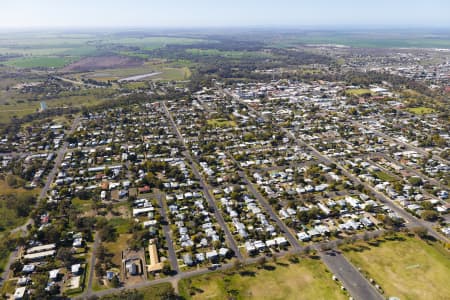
[[229, 54], [41, 61]]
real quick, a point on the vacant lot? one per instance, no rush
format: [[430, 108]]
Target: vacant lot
[[307, 279], [10, 198], [117, 247], [407, 268], [421, 110], [385, 176], [358, 92], [221, 123]]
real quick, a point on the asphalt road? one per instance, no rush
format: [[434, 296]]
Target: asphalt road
[[168, 235], [206, 189], [351, 278], [292, 240], [411, 220], [183, 275], [407, 145], [6, 272], [92, 265], [415, 172], [60, 156]]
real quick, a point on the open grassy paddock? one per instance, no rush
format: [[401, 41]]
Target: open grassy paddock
[[163, 71], [9, 219], [221, 123], [228, 54], [306, 279], [117, 247], [405, 267], [421, 110], [41, 61], [385, 176], [358, 92], [363, 40]]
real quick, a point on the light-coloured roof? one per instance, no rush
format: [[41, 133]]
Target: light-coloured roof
[[154, 265], [39, 254]]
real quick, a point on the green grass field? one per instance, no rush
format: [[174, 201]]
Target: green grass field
[[408, 269], [9, 219], [82, 205], [307, 279], [86, 98], [385, 176], [168, 72], [41, 62], [117, 247], [151, 43], [228, 54], [221, 123], [122, 225], [365, 40], [357, 92], [9, 286], [421, 110]]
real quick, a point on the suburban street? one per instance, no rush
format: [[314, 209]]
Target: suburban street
[[88, 289], [411, 221], [354, 282], [292, 240], [206, 189], [51, 176], [168, 234], [407, 145]]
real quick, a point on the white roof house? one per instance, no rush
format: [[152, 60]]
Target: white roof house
[[20, 293]]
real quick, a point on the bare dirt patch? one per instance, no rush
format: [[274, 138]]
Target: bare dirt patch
[[102, 62]]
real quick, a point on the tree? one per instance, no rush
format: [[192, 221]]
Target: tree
[[237, 264], [366, 236], [421, 232], [166, 268], [115, 283], [16, 267], [430, 215], [108, 233], [415, 181], [262, 261], [65, 255]]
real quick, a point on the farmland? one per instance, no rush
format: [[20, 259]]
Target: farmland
[[229, 54], [363, 39], [41, 62], [56, 51]]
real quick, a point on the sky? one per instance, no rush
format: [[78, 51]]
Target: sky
[[225, 13]]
